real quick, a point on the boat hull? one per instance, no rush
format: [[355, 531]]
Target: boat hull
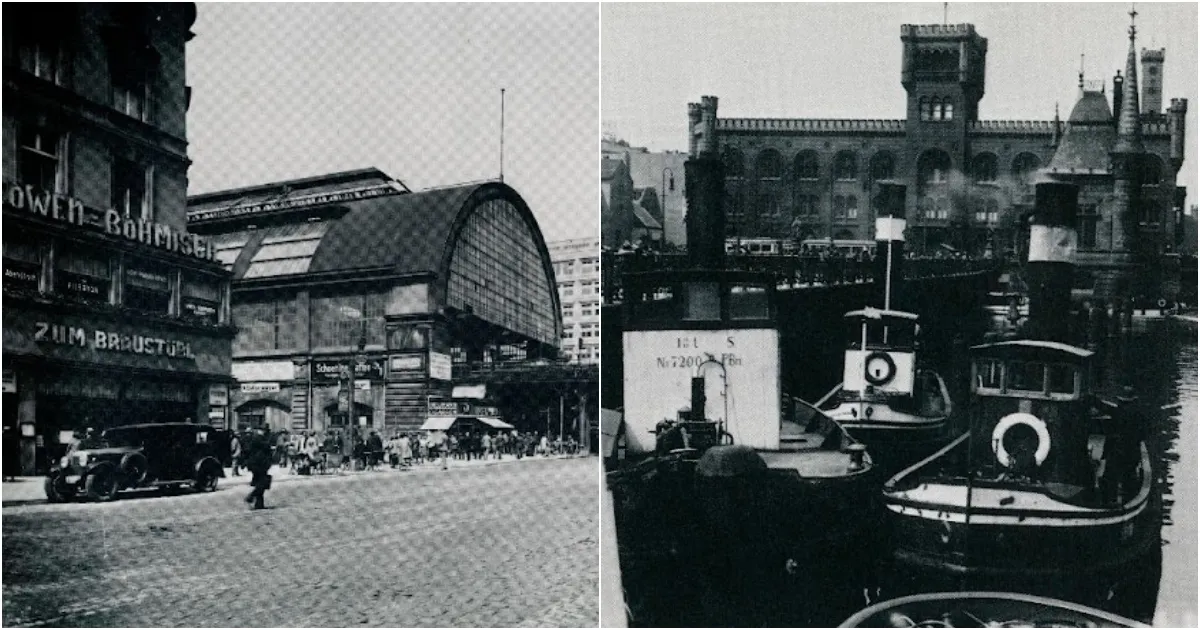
[[989, 609]]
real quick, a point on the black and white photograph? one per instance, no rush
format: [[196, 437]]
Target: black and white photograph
[[301, 315], [899, 322]]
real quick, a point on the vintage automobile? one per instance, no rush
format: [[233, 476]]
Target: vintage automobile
[[169, 455]]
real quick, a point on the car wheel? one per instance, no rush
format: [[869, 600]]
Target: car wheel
[[56, 492], [102, 485], [206, 480]]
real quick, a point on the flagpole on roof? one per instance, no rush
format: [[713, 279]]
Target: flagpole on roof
[[502, 135]]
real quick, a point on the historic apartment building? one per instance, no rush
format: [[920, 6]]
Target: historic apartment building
[[577, 270], [970, 181], [405, 290], [113, 312], [657, 172]]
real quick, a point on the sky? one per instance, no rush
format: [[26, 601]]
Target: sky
[[843, 61], [282, 91]]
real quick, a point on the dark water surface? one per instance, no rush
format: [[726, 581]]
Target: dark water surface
[[1158, 359]]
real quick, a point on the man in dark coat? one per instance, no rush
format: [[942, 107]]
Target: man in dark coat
[[257, 454]]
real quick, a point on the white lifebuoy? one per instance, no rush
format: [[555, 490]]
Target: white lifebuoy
[[1162, 303], [1029, 420]]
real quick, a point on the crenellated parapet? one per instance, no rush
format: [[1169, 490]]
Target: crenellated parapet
[[1011, 127], [1177, 124], [811, 125], [937, 30]]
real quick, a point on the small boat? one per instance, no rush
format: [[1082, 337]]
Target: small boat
[[983, 609], [1051, 490], [886, 399]]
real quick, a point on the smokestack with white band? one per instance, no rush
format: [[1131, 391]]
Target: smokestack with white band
[[1052, 242], [889, 243]]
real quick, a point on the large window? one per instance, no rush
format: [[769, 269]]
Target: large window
[[987, 211], [130, 185], [883, 166], [40, 52], [147, 288], [340, 321], [39, 158], [808, 166], [265, 324], [845, 166], [845, 207], [82, 274], [769, 164], [735, 164], [808, 205], [132, 65], [984, 168], [1024, 167], [496, 270], [200, 298], [1089, 217], [22, 263]]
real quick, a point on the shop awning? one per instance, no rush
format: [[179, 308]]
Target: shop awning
[[438, 423], [496, 423]]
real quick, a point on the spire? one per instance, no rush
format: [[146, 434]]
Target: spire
[[1129, 126], [1057, 125], [1081, 75]]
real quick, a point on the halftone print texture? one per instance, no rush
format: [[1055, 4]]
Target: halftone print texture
[[284, 92]]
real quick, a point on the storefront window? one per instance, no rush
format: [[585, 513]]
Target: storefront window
[[82, 274], [148, 288], [22, 265], [201, 298]]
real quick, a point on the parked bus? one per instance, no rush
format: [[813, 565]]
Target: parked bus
[[851, 246], [760, 246]]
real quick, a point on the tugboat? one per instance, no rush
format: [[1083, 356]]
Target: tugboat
[[885, 399], [1051, 490], [984, 610], [754, 498]]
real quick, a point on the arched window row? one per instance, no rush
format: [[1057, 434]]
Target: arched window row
[[936, 108], [768, 165]]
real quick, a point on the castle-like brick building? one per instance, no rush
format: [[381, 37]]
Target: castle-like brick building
[[970, 181]]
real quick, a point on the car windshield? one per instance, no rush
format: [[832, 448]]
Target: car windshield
[[118, 438]]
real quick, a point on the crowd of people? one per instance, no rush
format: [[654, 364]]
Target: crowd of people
[[308, 451]]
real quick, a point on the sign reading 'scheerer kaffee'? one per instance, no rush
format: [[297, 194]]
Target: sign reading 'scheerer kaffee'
[[71, 211]]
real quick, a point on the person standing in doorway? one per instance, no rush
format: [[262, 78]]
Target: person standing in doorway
[[258, 462], [235, 453]]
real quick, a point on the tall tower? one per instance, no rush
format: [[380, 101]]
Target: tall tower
[[705, 187], [1152, 62], [1126, 157]]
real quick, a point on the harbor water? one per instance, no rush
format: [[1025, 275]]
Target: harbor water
[[1158, 359]]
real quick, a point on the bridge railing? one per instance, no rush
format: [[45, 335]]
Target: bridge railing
[[790, 270]]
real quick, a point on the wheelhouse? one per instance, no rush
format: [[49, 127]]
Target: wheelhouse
[[875, 329], [1027, 369]]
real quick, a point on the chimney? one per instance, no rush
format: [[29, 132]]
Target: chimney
[[1118, 83], [705, 188], [1052, 242], [889, 243], [1178, 124]]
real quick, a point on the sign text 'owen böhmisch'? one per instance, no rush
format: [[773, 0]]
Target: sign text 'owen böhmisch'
[[113, 341], [71, 211]]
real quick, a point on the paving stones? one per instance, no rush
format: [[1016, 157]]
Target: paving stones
[[507, 546]]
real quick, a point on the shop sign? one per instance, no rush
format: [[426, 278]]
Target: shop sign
[[218, 396], [405, 363], [202, 310], [21, 274], [442, 408], [216, 414], [363, 385], [329, 371], [83, 286], [71, 211], [111, 341], [299, 201], [263, 371], [10, 382], [259, 388], [440, 366]]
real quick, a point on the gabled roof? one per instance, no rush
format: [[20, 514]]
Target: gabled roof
[[644, 217]]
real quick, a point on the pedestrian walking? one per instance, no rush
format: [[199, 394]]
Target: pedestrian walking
[[258, 462], [235, 453], [375, 446], [544, 446], [486, 445]]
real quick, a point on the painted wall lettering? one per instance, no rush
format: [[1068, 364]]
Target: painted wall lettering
[[111, 341]]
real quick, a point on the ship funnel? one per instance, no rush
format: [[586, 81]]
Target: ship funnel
[[705, 188], [1052, 242], [889, 241], [698, 412]]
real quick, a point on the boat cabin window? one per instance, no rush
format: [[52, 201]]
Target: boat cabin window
[[749, 301], [893, 333], [1026, 376], [702, 301], [1061, 378], [988, 374]]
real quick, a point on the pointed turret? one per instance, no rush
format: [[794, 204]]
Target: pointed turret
[[1129, 123], [1058, 123]]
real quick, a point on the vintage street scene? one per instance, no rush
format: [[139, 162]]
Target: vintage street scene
[[301, 315], [899, 322]]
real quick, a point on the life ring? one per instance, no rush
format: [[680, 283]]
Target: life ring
[[1029, 420], [1162, 303], [888, 374]]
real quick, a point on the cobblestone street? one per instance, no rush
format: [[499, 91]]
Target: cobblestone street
[[505, 545]]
